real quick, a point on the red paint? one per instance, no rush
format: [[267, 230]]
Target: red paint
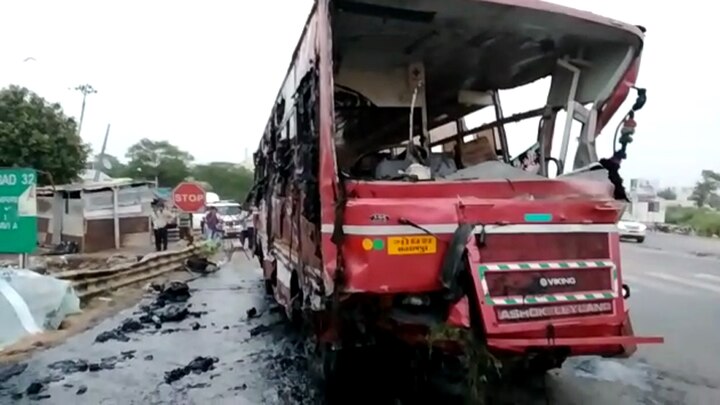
[[594, 341], [491, 203], [328, 178], [377, 271], [459, 316], [613, 103], [189, 197], [548, 247]]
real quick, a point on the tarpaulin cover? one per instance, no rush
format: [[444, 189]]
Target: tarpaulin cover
[[31, 303]]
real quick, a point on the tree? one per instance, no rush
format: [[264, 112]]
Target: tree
[[35, 133], [667, 194], [158, 159], [228, 180], [714, 201], [706, 188]]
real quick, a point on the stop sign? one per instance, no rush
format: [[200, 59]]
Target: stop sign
[[189, 197]]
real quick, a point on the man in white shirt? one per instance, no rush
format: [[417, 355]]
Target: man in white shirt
[[161, 217]]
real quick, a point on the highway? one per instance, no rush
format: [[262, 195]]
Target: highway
[[675, 286]]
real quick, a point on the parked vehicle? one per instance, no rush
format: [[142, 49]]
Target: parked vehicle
[[381, 214], [197, 218], [231, 217]]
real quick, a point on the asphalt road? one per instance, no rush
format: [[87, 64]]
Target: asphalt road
[[675, 282], [258, 361], [675, 285]]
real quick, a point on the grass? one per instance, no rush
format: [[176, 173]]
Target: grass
[[704, 221]]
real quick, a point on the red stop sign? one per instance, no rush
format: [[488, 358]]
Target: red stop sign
[[189, 197]]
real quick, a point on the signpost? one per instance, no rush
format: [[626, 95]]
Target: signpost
[[189, 197], [18, 211]]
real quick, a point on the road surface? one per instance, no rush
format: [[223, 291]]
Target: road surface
[[675, 284]]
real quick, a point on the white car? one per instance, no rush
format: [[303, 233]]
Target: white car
[[231, 216], [629, 229]]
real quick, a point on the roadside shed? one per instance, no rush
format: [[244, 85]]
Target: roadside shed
[[97, 216]]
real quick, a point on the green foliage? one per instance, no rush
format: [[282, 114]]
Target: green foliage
[[667, 194], [35, 133], [706, 188], [704, 221], [150, 159], [172, 165], [228, 180], [208, 248], [679, 215]]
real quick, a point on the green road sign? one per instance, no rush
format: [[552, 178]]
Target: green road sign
[[18, 211]]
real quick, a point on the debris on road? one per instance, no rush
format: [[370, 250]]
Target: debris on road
[[114, 334], [34, 388], [67, 367], [8, 372], [197, 366], [252, 313], [174, 291], [60, 369], [130, 325], [169, 306], [259, 330], [70, 366]]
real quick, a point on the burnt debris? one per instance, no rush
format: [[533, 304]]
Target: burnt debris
[[198, 365], [8, 372], [259, 330], [170, 305]]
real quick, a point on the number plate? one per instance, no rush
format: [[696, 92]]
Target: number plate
[[411, 245]]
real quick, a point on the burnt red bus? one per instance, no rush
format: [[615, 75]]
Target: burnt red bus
[[379, 212]]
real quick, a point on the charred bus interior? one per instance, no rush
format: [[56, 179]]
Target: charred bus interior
[[440, 61]]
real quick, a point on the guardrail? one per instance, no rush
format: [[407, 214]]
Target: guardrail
[[88, 283]]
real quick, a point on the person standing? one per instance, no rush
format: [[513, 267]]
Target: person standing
[[212, 223], [161, 217], [248, 233]]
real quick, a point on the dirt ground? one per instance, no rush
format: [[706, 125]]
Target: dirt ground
[[93, 312]]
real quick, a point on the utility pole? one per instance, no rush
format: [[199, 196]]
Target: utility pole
[[101, 156], [85, 89]]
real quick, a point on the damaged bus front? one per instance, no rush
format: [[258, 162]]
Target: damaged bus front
[[427, 229]]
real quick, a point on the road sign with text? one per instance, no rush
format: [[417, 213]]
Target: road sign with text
[[189, 197], [18, 211]]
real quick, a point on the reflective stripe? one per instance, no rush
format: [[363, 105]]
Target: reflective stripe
[[548, 298], [579, 264], [551, 298], [490, 229]]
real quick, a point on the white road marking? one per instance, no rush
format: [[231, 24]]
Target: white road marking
[[686, 281], [657, 285], [709, 277]]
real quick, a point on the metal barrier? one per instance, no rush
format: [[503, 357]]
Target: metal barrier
[[88, 283], [173, 235]]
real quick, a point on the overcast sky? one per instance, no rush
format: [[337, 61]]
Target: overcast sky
[[203, 74]]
